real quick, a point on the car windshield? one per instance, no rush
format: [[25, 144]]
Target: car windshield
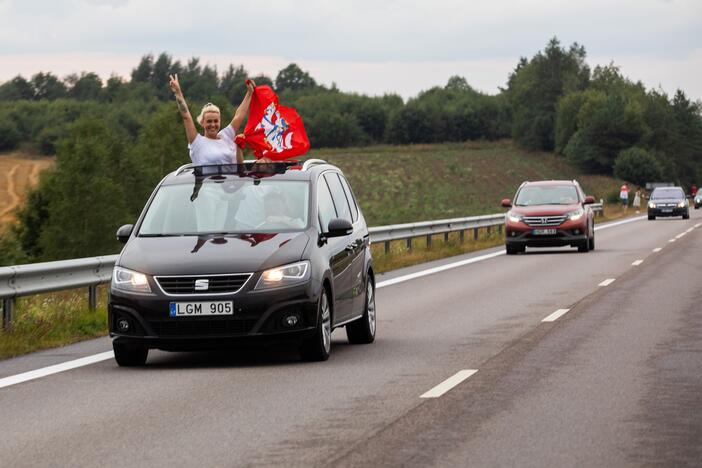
[[231, 205], [660, 193], [531, 195]]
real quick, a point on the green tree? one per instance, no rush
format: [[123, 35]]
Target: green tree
[[84, 86], [535, 88], [15, 89], [293, 78], [48, 86], [638, 166]]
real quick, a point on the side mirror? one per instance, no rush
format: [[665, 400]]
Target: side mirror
[[506, 203], [339, 227], [124, 232], [589, 200]]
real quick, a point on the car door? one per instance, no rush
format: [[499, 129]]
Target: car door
[[340, 259]]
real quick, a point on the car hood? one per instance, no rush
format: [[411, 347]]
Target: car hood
[[212, 254], [666, 201], [544, 210]]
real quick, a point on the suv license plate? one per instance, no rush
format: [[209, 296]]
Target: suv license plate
[[544, 232], [667, 210], [199, 309]]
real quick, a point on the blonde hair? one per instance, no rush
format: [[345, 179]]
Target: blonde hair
[[209, 107]]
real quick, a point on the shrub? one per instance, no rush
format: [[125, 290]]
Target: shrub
[[637, 166]]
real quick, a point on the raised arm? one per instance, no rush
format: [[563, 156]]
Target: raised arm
[[243, 108], [190, 130]]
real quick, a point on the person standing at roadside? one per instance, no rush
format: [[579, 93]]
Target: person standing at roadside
[[624, 196], [637, 199], [215, 146], [693, 190]]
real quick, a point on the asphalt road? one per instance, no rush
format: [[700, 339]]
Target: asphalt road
[[614, 381]]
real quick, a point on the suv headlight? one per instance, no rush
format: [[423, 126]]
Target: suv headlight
[[286, 275], [128, 280], [651, 205], [513, 217], [576, 215]]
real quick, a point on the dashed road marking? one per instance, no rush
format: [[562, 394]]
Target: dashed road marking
[[449, 383], [637, 262], [43, 372], [556, 315], [658, 249], [607, 282], [698, 225], [672, 240], [680, 235], [690, 230]]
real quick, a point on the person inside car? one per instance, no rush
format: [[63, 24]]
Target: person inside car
[[215, 146]]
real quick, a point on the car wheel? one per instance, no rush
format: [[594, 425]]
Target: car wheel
[[512, 249], [363, 330], [591, 242], [686, 215], [584, 246], [651, 217], [318, 346], [129, 356]]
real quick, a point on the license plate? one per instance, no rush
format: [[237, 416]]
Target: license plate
[[200, 309], [667, 210], [544, 232]]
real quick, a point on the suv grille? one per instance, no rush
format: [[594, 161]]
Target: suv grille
[[213, 284], [182, 327], [539, 221]]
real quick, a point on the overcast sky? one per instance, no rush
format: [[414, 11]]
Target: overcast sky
[[366, 46]]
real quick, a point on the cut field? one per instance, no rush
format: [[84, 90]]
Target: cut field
[[403, 184], [18, 172]]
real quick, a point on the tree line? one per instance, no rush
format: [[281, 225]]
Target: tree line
[[115, 140]]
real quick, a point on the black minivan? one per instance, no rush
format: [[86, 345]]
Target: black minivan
[[238, 253]]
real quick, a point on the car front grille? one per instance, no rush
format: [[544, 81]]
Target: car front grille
[[186, 327], [542, 221], [207, 284]]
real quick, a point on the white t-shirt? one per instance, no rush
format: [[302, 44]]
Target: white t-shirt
[[204, 151]]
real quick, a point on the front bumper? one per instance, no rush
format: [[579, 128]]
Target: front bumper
[[258, 316], [571, 233], [661, 212]]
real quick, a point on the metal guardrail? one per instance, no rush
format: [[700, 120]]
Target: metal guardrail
[[37, 278]]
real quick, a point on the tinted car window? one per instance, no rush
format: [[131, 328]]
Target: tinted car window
[[327, 212], [667, 193], [230, 206], [349, 196], [547, 195], [337, 191]]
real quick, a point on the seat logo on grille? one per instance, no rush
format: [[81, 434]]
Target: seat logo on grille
[[202, 284]]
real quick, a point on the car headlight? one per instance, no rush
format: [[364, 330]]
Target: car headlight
[[128, 280], [576, 215], [513, 217], [651, 205], [682, 204], [286, 275]]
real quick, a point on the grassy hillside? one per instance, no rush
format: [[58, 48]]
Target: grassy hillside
[[18, 172], [401, 184]]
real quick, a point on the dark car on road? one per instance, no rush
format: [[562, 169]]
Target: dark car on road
[[697, 201], [225, 255], [668, 201], [549, 213]]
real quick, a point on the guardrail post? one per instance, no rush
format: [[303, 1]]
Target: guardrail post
[[428, 240], [462, 235], [7, 306], [489, 228], [475, 234], [446, 234], [409, 243], [499, 229], [92, 297]]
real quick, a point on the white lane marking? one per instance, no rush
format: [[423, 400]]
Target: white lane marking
[[637, 262], [607, 282], [690, 230], [431, 271], [658, 249], [680, 235], [619, 223], [449, 383], [698, 225], [556, 315], [35, 374], [672, 240]]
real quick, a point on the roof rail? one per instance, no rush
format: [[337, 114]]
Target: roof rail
[[312, 162], [184, 167]]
